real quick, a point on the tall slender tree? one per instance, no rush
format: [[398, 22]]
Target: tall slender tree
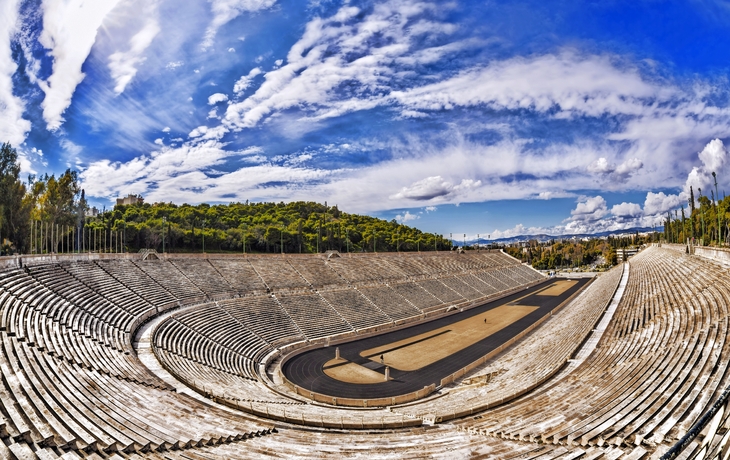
[[684, 227], [692, 211], [719, 223], [14, 206]]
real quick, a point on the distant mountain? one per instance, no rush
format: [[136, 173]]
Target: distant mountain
[[542, 237]]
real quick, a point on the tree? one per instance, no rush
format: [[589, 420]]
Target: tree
[[14, 206], [301, 226], [691, 212], [55, 207]]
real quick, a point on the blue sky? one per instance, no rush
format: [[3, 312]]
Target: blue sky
[[489, 117]]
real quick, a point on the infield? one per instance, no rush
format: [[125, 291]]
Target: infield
[[421, 350], [345, 371], [423, 354]]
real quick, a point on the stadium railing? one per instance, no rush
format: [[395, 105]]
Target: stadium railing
[[709, 425]]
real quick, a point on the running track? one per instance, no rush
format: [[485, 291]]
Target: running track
[[305, 370]]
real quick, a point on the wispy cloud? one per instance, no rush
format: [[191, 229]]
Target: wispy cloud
[[568, 83], [13, 127], [343, 63], [187, 173], [226, 10], [123, 65], [592, 214], [69, 32]]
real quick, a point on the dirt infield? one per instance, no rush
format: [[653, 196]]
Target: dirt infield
[[421, 350], [423, 354], [345, 371]]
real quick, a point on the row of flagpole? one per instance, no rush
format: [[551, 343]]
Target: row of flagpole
[[48, 238]]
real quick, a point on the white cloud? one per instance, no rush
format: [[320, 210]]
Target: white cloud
[[431, 208], [28, 157], [461, 171], [550, 194], [231, 50], [713, 156], [407, 217], [628, 167], [71, 148], [601, 166], [626, 210], [174, 65], [69, 32], [245, 81], [187, 174], [615, 173], [226, 10], [158, 141], [434, 187], [589, 209], [335, 51], [216, 98], [123, 65], [166, 129], [13, 127], [426, 189], [206, 133], [520, 229], [570, 83], [714, 159], [656, 205], [199, 131], [660, 203]]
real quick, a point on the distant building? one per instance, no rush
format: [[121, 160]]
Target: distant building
[[130, 199], [92, 212]]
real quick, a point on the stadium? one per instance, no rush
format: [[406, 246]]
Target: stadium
[[364, 229], [158, 356]]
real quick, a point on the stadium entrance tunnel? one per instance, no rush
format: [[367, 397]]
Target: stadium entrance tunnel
[[410, 363]]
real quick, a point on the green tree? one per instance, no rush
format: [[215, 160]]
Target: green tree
[[15, 207]]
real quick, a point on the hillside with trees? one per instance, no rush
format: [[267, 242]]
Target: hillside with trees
[[50, 214], [297, 227]]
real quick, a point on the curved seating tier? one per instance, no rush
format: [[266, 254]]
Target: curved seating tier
[[432, 443], [660, 363], [205, 276], [129, 275], [73, 387], [71, 383], [521, 368], [172, 280], [240, 274]]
